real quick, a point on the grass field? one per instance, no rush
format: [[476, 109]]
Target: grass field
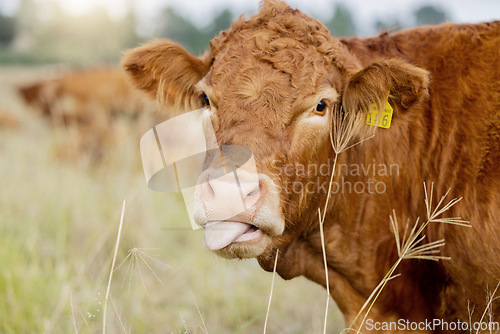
[[58, 225]]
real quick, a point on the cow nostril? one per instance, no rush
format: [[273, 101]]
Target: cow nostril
[[254, 192], [253, 196]]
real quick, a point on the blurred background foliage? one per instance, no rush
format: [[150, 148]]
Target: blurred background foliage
[[44, 33]]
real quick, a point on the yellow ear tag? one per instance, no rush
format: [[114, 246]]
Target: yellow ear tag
[[384, 119]]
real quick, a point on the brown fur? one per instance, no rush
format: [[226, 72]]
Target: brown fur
[[165, 71], [264, 77]]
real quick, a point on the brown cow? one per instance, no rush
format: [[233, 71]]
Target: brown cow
[[273, 82], [85, 96], [89, 102]]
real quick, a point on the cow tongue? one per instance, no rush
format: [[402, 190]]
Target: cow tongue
[[219, 235]]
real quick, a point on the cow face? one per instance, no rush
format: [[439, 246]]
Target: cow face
[[272, 83]]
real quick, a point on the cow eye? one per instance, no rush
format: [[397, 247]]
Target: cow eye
[[320, 108], [205, 100]]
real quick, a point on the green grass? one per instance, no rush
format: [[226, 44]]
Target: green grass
[[58, 225]]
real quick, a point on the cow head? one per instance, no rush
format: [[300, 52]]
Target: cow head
[[40, 96], [272, 83]]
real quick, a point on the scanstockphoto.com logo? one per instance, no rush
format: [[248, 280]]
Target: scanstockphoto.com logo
[[433, 325], [350, 178]]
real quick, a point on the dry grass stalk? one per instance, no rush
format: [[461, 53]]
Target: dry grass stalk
[[409, 247], [72, 311], [112, 269], [122, 325], [488, 310], [322, 234], [86, 323], [470, 312], [199, 312], [342, 129], [433, 215], [134, 255], [184, 323], [271, 293]]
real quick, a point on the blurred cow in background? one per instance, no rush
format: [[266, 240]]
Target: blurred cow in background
[[89, 103], [84, 97]]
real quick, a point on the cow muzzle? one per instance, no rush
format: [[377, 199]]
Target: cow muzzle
[[230, 202], [238, 209]]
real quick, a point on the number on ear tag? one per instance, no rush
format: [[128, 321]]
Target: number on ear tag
[[383, 119]]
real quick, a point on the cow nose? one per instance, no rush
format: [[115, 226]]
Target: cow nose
[[230, 196], [243, 184]]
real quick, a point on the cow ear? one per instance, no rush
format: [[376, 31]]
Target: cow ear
[[167, 72], [406, 84]]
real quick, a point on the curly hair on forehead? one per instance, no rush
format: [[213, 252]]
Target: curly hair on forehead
[[277, 27]]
